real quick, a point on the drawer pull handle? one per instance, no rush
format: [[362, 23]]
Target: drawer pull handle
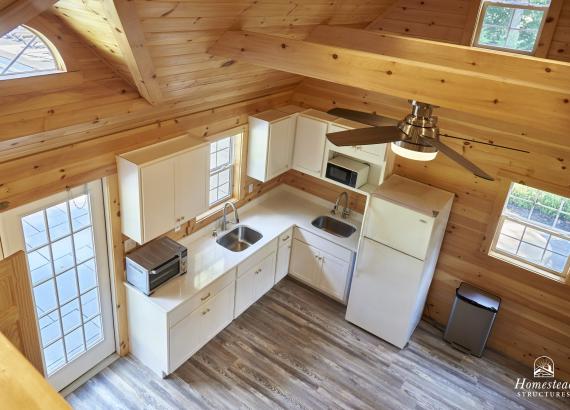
[[205, 312], [206, 297], [286, 238]]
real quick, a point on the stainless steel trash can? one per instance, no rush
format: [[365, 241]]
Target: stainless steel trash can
[[471, 319]]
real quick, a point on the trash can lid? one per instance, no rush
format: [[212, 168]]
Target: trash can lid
[[478, 297]]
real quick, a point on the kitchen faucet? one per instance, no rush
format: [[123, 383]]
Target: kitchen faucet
[[224, 217], [346, 210]]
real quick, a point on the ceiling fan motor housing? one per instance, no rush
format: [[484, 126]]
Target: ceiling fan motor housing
[[419, 124]]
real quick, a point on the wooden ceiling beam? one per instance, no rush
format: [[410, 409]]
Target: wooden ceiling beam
[[128, 31], [516, 89], [20, 12]]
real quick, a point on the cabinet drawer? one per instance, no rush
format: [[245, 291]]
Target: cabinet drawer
[[257, 257], [201, 297], [322, 244], [196, 329]]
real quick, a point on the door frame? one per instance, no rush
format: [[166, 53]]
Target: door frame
[[98, 188]]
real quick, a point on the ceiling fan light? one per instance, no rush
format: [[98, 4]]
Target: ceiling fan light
[[419, 153]]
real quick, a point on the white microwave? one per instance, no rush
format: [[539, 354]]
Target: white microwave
[[347, 171]]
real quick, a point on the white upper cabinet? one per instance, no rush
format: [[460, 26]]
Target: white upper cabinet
[[157, 192], [374, 153], [310, 140], [162, 186], [270, 147], [191, 171]]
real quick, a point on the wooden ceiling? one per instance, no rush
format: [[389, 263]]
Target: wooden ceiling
[[176, 35], [135, 62]]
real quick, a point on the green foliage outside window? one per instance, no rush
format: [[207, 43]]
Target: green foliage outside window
[[510, 27], [539, 206]]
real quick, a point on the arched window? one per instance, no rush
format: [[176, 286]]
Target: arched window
[[24, 53]]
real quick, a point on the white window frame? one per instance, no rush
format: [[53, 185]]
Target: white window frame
[[485, 4], [229, 166], [521, 262]]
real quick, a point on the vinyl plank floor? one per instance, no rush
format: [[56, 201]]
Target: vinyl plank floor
[[293, 349]]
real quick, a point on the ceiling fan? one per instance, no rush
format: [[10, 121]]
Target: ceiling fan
[[416, 137]]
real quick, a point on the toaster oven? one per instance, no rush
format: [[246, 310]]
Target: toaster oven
[[154, 263]]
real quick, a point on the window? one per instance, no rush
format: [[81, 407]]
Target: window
[[534, 231], [24, 53], [512, 25], [221, 170]]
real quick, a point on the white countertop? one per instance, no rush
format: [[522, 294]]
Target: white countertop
[[271, 215]]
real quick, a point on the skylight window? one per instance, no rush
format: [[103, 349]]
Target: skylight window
[[511, 25], [24, 53]]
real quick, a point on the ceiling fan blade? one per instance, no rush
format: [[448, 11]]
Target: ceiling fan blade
[[460, 159], [366, 136], [358, 116]]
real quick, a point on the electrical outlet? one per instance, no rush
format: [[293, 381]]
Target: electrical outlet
[[250, 188]]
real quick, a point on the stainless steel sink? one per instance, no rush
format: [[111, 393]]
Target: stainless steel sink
[[239, 239], [333, 226]]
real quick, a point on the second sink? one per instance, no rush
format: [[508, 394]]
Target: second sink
[[239, 239], [333, 226]]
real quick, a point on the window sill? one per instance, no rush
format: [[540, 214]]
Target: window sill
[[529, 267], [214, 210]]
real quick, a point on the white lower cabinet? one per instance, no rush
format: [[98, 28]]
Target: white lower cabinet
[[304, 262], [255, 278], [321, 264], [163, 340], [196, 329], [163, 337]]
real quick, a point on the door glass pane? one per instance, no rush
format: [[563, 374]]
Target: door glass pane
[[34, 227], [50, 329], [58, 221], [39, 262], [54, 356], [93, 333], [70, 316], [60, 249], [67, 286]]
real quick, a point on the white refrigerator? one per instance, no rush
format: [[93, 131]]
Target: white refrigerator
[[402, 234]]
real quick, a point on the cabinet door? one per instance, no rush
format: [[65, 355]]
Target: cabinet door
[[194, 331], [157, 199], [265, 276], [304, 263], [245, 291], [186, 337], [373, 153], [281, 139], [334, 276], [191, 183], [282, 267], [309, 145]]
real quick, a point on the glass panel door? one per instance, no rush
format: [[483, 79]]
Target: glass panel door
[[64, 240]]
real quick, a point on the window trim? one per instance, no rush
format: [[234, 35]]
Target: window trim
[[230, 166], [504, 179], [239, 133], [479, 25], [526, 264]]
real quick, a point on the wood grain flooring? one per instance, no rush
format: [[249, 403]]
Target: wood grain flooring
[[293, 349]]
